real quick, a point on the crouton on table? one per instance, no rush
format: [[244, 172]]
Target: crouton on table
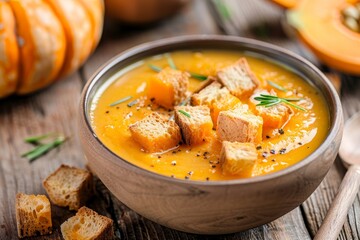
[[238, 158], [156, 133], [33, 215], [275, 116], [195, 123], [87, 224], [239, 125], [216, 98], [239, 78], [168, 87], [69, 187]]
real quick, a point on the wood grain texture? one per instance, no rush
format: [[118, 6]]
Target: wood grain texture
[[339, 207], [52, 110]]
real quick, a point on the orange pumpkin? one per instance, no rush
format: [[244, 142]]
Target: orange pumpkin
[[42, 40], [319, 25]]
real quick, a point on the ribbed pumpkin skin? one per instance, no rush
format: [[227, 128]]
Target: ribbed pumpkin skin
[[43, 40]]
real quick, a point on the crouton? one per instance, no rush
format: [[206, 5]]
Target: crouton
[[155, 133], [275, 116], [87, 224], [238, 158], [216, 98], [69, 187], [33, 215], [207, 95], [195, 123], [168, 87], [239, 125], [239, 78]]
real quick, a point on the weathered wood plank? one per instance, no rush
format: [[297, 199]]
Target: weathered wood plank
[[317, 205], [52, 110]]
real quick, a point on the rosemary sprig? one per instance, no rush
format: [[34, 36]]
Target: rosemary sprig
[[185, 113], [120, 101], [43, 148], [130, 104], [155, 68], [198, 76], [277, 86], [193, 75], [170, 61], [37, 139], [269, 100]]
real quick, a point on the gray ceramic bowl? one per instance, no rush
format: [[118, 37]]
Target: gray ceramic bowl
[[210, 207]]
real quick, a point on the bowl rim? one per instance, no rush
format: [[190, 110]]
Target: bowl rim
[[334, 130]]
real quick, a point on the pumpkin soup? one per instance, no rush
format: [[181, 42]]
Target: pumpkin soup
[[209, 115]]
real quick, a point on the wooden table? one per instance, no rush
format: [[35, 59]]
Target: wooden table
[[55, 110]]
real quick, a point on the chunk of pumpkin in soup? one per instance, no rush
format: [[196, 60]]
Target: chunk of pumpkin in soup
[[225, 102], [168, 87], [274, 116]]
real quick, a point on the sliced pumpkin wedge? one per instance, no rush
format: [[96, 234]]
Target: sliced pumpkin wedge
[[77, 24], [41, 40], [320, 27], [9, 51]]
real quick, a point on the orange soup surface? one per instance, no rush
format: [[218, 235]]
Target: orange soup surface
[[279, 148]]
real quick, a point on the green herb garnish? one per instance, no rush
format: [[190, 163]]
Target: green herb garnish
[[170, 61], [37, 139], [269, 100], [198, 76], [130, 104], [277, 86], [42, 148], [120, 101], [193, 75], [184, 113], [155, 68], [223, 9]]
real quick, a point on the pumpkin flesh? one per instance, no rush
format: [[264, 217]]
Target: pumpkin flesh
[[9, 51], [319, 25]]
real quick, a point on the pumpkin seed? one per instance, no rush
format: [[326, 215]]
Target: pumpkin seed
[[352, 24], [357, 5], [351, 12]]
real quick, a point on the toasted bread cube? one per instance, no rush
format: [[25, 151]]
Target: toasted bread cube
[[87, 224], [239, 125], [238, 158], [207, 95], [168, 87], [33, 215], [216, 98], [195, 123], [275, 116], [239, 78], [155, 133], [69, 187]]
